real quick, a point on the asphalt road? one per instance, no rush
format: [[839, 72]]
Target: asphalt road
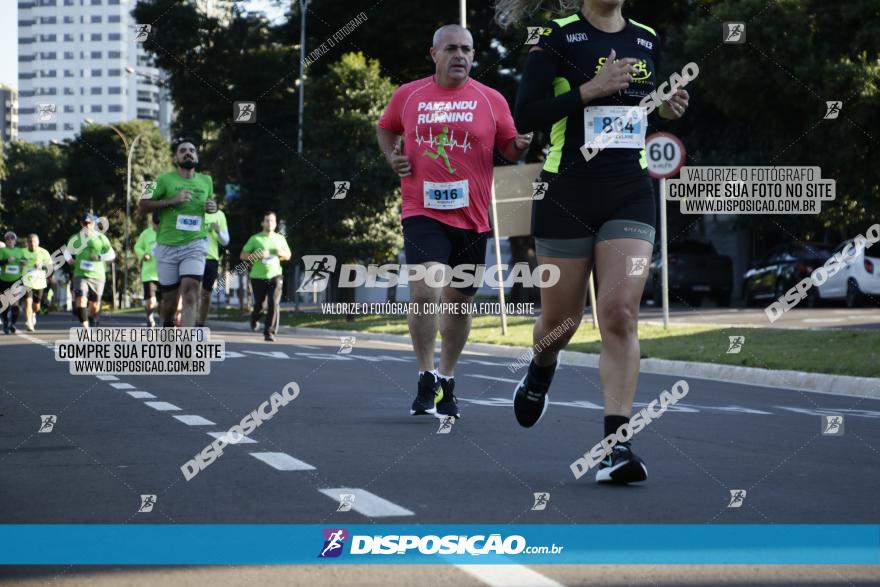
[[350, 431]]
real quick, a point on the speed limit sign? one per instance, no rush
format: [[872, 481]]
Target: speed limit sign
[[665, 153]]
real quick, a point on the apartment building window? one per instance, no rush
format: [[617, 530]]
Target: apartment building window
[[48, 55], [26, 40], [68, 38], [48, 20], [69, 92], [69, 73], [68, 126], [114, 37], [68, 2], [95, 55], [49, 73], [96, 19], [49, 38], [68, 108], [114, 54], [48, 3], [114, 73], [114, 18], [96, 73], [69, 55], [96, 2], [96, 108], [113, 2], [97, 91], [68, 20], [114, 90], [114, 108]]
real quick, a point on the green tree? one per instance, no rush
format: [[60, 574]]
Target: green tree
[[33, 189], [343, 107]]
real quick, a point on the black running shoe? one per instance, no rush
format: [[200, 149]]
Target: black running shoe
[[621, 466], [269, 337], [255, 325], [12, 329], [447, 406], [529, 404], [429, 390]]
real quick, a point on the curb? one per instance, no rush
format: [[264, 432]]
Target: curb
[[846, 385]]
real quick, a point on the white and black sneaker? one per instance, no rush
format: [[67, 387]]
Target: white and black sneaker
[[427, 396], [621, 466], [529, 402]]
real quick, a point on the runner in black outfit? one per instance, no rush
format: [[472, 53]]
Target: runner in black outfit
[[588, 69]]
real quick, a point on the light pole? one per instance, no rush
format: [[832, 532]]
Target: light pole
[[462, 11], [303, 8], [129, 149]]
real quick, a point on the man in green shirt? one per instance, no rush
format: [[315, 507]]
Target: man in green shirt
[[145, 249], [218, 234], [39, 265], [12, 264], [88, 270], [181, 197], [267, 250]]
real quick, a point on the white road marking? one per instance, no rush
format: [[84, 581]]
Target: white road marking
[[368, 504], [243, 440], [163, 406], [232, 355], [270, 354], [308, 346], [282, 461], [508, 576], [141, 395], [194, 421], [494, 378], [122, 385], [107, 377]]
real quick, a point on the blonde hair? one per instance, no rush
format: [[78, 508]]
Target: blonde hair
[[508, 12]]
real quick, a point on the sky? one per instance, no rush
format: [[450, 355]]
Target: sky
[[9, 36]]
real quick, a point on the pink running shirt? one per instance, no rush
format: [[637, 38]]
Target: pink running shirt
[[449, 137]]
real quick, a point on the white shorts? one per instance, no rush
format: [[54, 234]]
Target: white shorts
[[176, 261]]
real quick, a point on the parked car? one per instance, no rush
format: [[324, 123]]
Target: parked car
[[696, 270], [856, 283], [769, 278]]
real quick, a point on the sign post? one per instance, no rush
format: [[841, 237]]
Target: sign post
[[665, 153]]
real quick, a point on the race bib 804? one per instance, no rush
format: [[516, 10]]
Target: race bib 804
[[624, 133]]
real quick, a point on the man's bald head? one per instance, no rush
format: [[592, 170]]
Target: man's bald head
[[452, 30], [453, 54]]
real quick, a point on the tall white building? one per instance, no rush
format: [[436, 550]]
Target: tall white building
[[80, 59], [9, 116]]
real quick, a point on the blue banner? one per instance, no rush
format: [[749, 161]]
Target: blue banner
[[195, 544]]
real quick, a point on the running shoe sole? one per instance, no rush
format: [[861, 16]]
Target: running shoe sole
[[622, 473]]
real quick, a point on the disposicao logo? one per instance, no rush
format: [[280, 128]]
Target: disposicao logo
[[334, 541]]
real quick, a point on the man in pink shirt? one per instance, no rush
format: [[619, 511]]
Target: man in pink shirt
[[451, 126]]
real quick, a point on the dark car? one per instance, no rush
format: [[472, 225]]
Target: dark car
[[769, 278], [696, 270]]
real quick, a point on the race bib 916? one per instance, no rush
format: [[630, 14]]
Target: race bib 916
[[447, 196]]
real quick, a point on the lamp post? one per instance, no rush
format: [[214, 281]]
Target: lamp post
[[303, 8], [129, 150]]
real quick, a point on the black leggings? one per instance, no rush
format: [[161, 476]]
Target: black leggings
[[267, 290]]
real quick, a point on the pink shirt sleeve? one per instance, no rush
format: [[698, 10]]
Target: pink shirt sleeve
[[392, 118], [505, 129]]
